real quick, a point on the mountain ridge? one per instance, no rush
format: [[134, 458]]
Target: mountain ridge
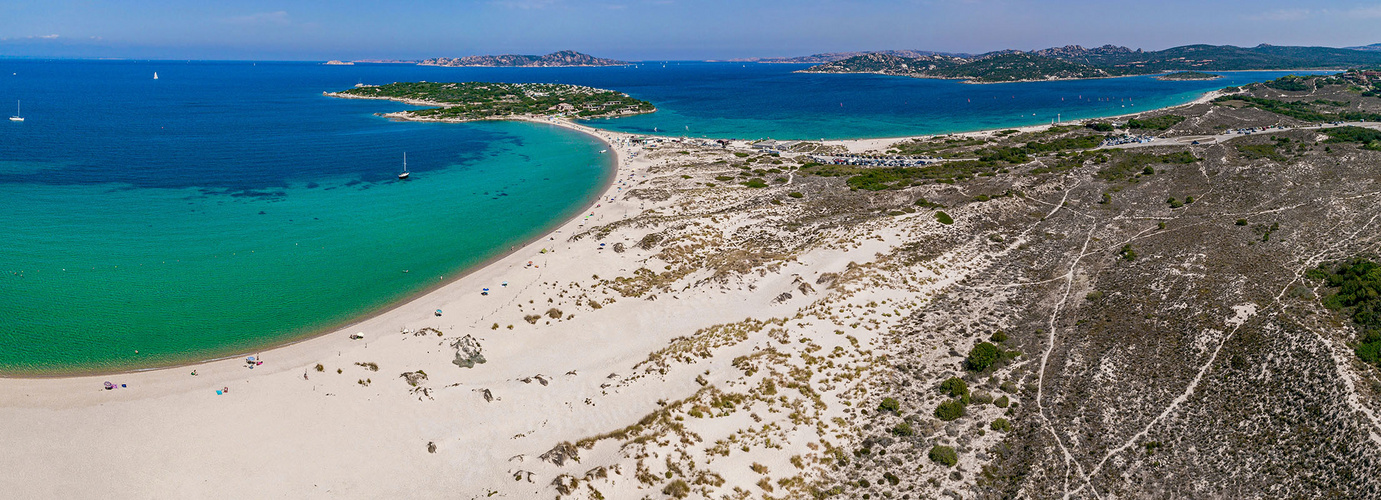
[[1077, 62]]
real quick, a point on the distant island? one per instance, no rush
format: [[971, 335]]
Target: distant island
[[839, 56], [471, 101], [335, 62], [565, 58], [1188, 75], [1076, 62]]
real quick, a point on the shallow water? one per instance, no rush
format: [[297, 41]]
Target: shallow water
[[193, 216]]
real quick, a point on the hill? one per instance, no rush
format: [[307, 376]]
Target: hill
[[999, 67], [887, 64], [1074, 61], [555, 59], [1123, 61], [1015, 67], [829, 57], [1374, 46]]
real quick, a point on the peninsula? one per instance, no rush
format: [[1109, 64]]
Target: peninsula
[[1076, 62], [564, 58], [470, 101], [1188, 75]]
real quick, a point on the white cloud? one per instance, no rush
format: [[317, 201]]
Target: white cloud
[[1371, 12], [47, 37], [1282, 15], [277, 18], [525, 4]]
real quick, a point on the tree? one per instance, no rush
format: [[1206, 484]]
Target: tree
[[955, 387], [944, 455], [950, 410], [982, 356]]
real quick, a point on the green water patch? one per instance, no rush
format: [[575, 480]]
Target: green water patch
[[90, 274]]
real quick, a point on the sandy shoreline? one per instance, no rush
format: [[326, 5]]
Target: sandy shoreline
[[300, 431], [411, 299], [544, 232], [602, 135], [881, 143]]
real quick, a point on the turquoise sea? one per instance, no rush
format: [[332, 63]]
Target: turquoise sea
[[228, 206]]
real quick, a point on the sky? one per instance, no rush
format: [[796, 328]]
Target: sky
[[653, 29]]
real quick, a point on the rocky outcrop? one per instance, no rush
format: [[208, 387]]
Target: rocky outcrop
[[467, 352], [559, 454]]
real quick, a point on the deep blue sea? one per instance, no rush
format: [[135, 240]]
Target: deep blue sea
[[227, 206]]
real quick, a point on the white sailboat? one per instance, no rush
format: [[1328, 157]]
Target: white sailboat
[[404, 175], [16, 117], [155, 75]]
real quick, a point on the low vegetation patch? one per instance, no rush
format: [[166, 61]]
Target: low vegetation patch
[[1161, 122], [1356, 287], [1368, 138], [944, 455], [1124, 165]]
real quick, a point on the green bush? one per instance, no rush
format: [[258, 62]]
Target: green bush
[[1002, 402], [944, 455], [955, 387], [998, 336], [903, 429], [950, 410], [795, 194], [944, 218], [1001, 425], [889, 404], [982, 356], [1127, 253]]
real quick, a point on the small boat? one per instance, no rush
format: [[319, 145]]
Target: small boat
[[155, 75], [16, 117], [404, 175]]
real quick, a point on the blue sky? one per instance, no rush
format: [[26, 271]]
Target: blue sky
[[653, 29]]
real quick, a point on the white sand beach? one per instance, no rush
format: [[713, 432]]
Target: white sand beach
[[334, 417]]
